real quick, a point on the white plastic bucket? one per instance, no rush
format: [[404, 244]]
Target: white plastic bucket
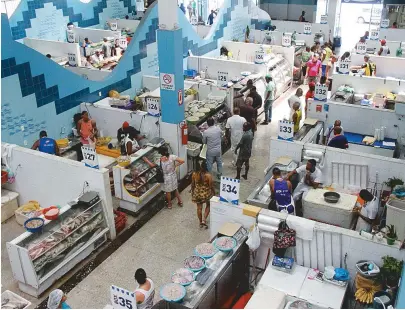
[[396, 216]]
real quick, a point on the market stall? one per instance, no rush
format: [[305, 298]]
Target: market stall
[[373, 46], [392, 34], [219, 279], [128, 25], [40, 257], [383, 136], [134, 181], [59, 51], [386, 66]]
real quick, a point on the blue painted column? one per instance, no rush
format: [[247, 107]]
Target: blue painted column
[[401, 292], [170, 54]]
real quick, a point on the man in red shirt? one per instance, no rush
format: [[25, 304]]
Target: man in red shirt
[[310, 94]]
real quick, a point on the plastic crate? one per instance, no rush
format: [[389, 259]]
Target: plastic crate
[[120, 220], [13, 297], [190, 73]]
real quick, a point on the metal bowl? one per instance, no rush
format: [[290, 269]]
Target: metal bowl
[[331, 197]]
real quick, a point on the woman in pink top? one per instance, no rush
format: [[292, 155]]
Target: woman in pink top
[[314, 67]]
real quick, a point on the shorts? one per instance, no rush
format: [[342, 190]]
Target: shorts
[[242, 160]]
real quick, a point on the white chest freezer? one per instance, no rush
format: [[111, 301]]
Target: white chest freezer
[[316, 208]]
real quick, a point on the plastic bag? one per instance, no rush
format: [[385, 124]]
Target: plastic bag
[[254, 238]]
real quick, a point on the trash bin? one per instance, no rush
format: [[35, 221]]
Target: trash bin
[[337, 41], [381, 300]]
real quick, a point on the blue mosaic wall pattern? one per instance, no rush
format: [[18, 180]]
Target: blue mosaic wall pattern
[[39, 94]]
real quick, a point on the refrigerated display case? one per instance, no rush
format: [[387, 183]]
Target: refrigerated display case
[[41, 258], [136, 184], [280, 70], [220, 113]]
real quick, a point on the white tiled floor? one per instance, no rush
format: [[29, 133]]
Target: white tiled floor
[[170, 236]]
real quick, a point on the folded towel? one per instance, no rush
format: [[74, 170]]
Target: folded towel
[[304, 228]]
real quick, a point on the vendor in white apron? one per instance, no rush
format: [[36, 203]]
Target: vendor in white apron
[[368, 212], [145, 291], [312, 178], [281, 192]]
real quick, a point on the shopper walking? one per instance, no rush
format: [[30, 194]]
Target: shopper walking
[[305, 57], [326, 55], [309, 95], [202, 189], [183, 8], [194, 5], [245, 146], [211, 17], [212, 138], [248, 112], [296, 98], [269, 96], [296, 117], [314, 67], [145, 291], [169, 163], [190, 11], [57, 300], [234, 131]]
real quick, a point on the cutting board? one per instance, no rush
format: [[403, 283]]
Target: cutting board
[[229, 229], [310, 121], [284, 160], [369, 140]]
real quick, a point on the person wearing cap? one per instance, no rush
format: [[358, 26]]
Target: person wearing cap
[[269, 96], [311, 178], [57, 300], [384, 49], [367, 212], [309, 95], [369, 67], [127, 137]]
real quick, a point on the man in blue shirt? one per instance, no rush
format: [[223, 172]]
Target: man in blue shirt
[[211, 17], [45, 144], [339, 141]]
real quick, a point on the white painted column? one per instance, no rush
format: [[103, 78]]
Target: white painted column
[[333, 6]]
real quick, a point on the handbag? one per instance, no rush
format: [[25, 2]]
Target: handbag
[[159, 174], [284, 237]]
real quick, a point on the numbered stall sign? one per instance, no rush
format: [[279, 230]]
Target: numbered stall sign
[[361, 48], [113, 26], [71, 37], [321, 92], [286, 41], [307, 28], [222, 78], [123, 43], [194, 20], [344, 66], [259, 57], [121, 298], [285, 130], [375, 34], [229, 190], [90, 157], [72, 59], [324, 19], [153, 106], [385, 23]]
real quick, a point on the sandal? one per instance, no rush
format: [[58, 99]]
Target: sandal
[[201, 225], [180, 204], [204, 225], [169, 206]]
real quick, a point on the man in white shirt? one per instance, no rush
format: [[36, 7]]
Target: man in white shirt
[[106, 47], [296, 98], [96, 58], [269, 96], [368, 212], [311, 178], [234, 131], [330, 133]]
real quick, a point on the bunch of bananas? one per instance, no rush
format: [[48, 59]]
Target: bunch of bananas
[[366, 295]]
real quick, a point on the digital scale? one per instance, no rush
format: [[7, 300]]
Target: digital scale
[[89, 198]]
